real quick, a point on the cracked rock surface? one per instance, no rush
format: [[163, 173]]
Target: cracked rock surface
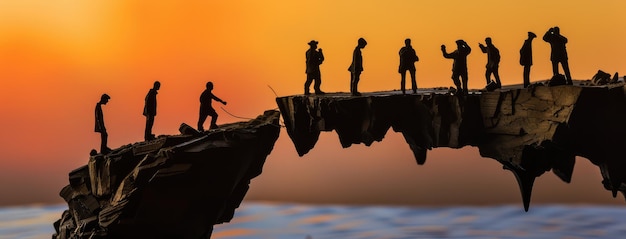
[[175, 186], [530, 131]]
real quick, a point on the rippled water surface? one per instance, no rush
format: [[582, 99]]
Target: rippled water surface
[[269, 220]]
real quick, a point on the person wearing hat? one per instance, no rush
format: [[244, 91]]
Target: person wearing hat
[[314, 59], [459, 66], [558, 53], [493, 61], [408, 57], [356, 67], [526, 57], [100, 128]]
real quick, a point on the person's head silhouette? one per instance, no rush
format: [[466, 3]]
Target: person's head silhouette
[[488, 40], [459, 43], [362, 43], [557, 30], [313, 44], [157, 85], [104, 99], [209, 85], [407, 42]]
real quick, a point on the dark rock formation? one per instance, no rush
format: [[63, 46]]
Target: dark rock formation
[[530, 131], [171, 187]]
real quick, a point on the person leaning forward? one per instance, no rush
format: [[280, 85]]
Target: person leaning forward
[[149, 109], [206, 109], [356, 67], [99, 124]]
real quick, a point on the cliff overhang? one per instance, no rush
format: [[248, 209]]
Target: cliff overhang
[[529, 130]]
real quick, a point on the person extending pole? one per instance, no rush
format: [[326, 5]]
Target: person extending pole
[[206, 109]]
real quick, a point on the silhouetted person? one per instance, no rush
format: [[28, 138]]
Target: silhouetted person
[[558, 53], [100, 124], [459, 66], [526, 57], [493, 61], [149, 110], [314, 58], [408, 57], [206, 109], [356, 67]]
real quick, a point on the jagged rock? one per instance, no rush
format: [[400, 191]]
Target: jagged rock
[[172, 187], [603, 78], [530, 131]]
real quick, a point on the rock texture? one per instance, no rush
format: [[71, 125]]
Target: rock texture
[[171, 187], [530, 131]]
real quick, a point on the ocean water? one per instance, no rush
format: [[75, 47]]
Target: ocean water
[[254, 220]]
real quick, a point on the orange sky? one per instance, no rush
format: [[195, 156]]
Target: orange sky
[[58, 57]]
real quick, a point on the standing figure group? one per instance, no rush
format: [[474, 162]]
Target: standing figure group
[[149, 111], [408, 57]]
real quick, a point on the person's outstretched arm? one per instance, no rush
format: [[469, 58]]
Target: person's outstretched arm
[[219, 100]]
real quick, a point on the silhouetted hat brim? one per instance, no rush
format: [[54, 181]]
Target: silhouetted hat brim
[[313, 42]]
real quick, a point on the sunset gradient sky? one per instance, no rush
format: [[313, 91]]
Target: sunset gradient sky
[[58, 57]]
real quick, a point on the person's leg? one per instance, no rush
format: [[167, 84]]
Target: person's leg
[[565, 65], [457, 82], [307, 83], [413, 82], [357, 78], [351, 82], [403, 82], [526, 76], [464, 79], [201, 120], [103, 142], [487, 75], [318, 84], [497, 76], [213, 120], [149, 124], [555, 68]]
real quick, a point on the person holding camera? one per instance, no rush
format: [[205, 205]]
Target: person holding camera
[[558, 53], [459, 66]]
